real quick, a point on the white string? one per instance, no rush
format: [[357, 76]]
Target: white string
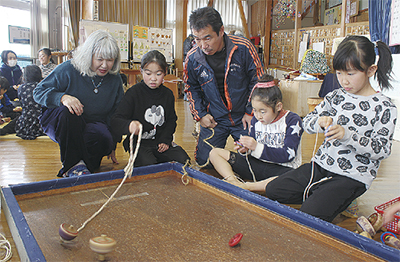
[[305, 193], [248, 163], [5, 244], [128, 173]]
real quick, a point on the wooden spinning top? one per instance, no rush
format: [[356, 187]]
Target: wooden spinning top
[[363, 224], [67, 232], [102, 245], [376, 221]]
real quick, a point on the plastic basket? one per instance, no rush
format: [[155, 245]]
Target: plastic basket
[[392, 226]]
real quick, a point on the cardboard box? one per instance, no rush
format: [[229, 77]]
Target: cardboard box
[[295, 94]]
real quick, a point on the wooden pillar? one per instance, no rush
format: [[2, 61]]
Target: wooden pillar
[[243, 18], [343, 19], [181, 29], [267, 33], [297, 26], [87, 9]]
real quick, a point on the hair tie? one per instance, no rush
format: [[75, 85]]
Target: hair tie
[[262, 85]]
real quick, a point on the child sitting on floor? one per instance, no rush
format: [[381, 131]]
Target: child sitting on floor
[[358, 123], [27, 125], [151, 104], [271, 149], [7, 109]]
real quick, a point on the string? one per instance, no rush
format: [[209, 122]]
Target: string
[[305, 193], [5, 244], [185, 175], [206, 142], [246, 154], [208, 158], [128, 173]]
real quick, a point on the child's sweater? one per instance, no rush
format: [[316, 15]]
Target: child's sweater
[[279, 141], [369, 123]]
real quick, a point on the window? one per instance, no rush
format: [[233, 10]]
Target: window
[[227, 8], [15, 17]]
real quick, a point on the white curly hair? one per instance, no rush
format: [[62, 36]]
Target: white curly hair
[[100, 43]]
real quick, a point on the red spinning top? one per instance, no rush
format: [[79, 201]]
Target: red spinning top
[[235, 239]]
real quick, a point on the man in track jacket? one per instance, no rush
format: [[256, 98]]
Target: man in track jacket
[[220, 72]]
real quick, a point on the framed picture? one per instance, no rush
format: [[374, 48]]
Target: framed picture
[[19, 35]]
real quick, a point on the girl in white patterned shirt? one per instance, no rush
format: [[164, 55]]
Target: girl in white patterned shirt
[[358, 123]]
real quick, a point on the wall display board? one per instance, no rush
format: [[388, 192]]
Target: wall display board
[[119, 31], [151, 38], [282, 49], [332, 3], [333, 16], [19, 35]]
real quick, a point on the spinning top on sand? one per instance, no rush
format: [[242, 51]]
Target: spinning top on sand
[[235, 239], [102, 245], [67, 232]]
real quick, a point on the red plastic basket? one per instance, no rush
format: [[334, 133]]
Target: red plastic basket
[[394, 225]]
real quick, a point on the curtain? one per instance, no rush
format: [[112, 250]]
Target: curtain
[[379, 22], [230, 14], [39, 25], [72, 13], [228, 9]]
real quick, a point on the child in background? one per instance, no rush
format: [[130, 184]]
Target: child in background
[[28, 125], [151, 104], [271, 149], [7, 109], [358, 123]]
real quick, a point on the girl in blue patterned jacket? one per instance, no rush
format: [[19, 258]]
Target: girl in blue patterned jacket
[[271, 149], [358, 123]]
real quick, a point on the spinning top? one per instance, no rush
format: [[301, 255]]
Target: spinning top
[[67, 232], [102, 245], [390, 239], [235, 239], [363, 224], [376, 221]]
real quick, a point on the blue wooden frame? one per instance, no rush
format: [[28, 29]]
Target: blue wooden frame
[[29, 249]]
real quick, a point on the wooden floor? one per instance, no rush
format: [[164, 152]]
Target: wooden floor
[[24, 161]]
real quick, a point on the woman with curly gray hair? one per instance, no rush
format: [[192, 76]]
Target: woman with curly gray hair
[[79, 98]]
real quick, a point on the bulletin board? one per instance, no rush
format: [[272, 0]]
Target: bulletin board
[[282, 48], [151, 38], [19, 35], [119, 31], [333, 16]]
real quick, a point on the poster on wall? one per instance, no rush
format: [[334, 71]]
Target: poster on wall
[[394, 37], [19, 35], [151, 38], [333, 16], [119, 31]]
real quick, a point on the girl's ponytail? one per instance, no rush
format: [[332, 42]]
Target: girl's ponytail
[[384, 65]]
